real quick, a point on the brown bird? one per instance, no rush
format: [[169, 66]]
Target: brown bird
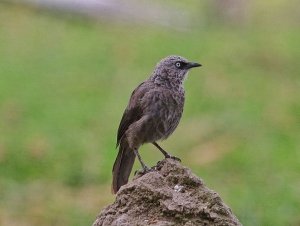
[[153, 113]]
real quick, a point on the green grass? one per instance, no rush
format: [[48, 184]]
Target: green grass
[[64, 86]]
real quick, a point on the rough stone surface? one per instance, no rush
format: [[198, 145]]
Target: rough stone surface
[[168, 195]]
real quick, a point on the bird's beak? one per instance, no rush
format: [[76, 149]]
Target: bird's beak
[[192, 64]]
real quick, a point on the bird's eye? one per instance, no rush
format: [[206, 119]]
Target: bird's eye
[[178, 64]]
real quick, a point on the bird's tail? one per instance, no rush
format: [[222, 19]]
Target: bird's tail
[[122, 166]]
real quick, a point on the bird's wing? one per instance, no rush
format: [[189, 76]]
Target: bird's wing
[[132, 113]]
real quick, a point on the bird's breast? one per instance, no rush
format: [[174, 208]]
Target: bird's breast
[[168, 108]]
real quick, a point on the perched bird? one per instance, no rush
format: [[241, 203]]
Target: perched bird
[[153, 113]]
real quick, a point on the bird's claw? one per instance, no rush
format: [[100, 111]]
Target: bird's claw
[[143, 171], [173, 157]]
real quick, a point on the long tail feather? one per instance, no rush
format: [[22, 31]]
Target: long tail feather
[[122, 166]]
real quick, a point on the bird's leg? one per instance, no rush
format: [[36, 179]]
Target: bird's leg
[[145, 168], [166, 154]]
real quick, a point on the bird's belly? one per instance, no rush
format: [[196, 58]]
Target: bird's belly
[[170, 123], [164, 122]]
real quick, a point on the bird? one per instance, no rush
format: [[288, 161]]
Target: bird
[[152, 114]]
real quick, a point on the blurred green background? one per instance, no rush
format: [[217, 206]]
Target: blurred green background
[[65, 82]]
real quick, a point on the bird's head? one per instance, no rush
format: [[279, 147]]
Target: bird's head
[[174, 68]]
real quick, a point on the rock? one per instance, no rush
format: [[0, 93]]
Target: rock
[[168, 195]]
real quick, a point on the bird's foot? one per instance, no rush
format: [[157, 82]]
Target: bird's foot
[[168, 156], [144, 170]]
